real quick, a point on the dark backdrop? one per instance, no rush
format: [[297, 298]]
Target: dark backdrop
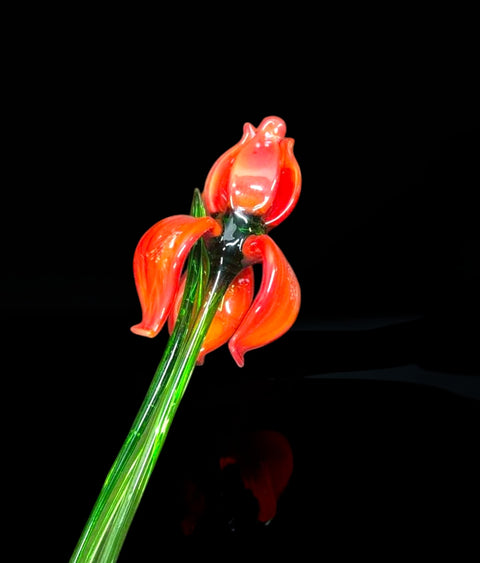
[[376, 386]]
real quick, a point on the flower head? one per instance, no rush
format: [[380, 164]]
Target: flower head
[[250, 189]]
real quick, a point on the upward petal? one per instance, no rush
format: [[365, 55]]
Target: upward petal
[[215, 193], [158, 262], [289, 186], [275, 307]]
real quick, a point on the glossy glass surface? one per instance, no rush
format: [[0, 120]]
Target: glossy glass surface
[[288, 189], [157, 266], [275, 307], [258, 176], [215, 192], [232, 309]]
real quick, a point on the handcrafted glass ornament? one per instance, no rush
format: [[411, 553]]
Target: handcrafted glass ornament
[[195, 272]]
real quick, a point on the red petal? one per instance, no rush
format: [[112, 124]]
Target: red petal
[[256, 171], [235, 304], [275, 307], [215, 192], [289, 186], [158, 262]]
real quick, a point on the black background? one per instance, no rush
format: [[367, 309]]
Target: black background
[[112, 126]]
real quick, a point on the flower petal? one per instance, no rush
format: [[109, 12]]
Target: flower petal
[[265, 463], [275, 307], [256, 171], [215, 192], [235, 304], [158, 262], [289, 186]]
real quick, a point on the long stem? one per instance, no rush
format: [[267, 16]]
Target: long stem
[[108, 524]]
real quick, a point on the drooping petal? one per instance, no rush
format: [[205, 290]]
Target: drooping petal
[[275, 307], [231, 311], [215, 192], [158, 262], [289, 186]]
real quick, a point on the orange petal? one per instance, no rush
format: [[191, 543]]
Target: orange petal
[[256, 171], [215, 192], [158, 262], [275, 307], [289, 186], [235, 304]]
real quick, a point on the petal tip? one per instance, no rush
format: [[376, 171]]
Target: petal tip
[[237, 354], [143, 331]]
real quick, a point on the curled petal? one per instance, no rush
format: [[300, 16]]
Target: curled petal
[[215, 193], [235, 304], [258, 176], [289, 186], [256, 170], [275, 307], [158, 262]]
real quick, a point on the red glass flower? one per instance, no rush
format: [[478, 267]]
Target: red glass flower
[[249, 190]]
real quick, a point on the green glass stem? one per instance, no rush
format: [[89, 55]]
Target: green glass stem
[[113, 512]]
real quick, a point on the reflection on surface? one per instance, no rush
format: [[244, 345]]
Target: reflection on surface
[[255, 468]]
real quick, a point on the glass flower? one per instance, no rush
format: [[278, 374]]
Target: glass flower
[[249, 190], [196, 272]]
